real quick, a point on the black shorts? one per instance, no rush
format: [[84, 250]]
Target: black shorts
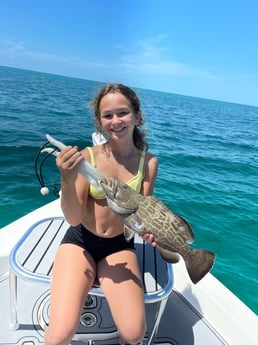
[[98, 247]]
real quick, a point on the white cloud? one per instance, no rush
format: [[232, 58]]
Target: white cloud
[[152, 57], [11, 50], [248, 76]]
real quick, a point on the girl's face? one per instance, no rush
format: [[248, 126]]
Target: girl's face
[[117, 117]]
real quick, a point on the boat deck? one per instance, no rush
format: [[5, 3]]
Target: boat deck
[[201, 314]]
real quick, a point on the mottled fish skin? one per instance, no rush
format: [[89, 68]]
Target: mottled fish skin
[[172, 233]]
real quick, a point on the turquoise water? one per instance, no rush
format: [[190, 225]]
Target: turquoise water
[[207, 151]]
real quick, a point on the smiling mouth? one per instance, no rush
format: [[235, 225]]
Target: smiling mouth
[[118, 130]]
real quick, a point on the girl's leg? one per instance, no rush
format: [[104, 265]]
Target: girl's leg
[[121, 282], [72, 277]]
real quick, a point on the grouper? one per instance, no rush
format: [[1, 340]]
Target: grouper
[[172, 233]]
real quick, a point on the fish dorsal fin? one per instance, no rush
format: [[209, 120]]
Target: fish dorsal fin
[[187, 231]]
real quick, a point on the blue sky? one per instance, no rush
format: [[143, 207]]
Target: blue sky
[[205, 49]]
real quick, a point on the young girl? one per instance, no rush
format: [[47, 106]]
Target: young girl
[[94, 245]]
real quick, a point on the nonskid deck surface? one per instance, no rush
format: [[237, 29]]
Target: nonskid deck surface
[[180, 324]]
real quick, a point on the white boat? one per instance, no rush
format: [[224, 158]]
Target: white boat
[[178, 311]]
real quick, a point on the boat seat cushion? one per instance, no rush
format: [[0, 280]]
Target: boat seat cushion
[[32, 257]]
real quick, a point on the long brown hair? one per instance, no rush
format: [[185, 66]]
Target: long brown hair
[[138, 134]]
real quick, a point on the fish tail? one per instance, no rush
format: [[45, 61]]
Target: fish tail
[[199, 263]]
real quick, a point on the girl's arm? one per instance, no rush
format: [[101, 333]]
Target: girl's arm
[[73, 185], [150, 177]]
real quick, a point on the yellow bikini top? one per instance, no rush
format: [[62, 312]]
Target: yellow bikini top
[[135, 182]]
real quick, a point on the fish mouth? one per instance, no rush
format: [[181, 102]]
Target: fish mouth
[[109, 187]]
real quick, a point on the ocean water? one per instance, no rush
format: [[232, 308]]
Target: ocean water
[[207, 151]]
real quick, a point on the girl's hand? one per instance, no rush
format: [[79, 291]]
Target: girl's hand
[[149, 238], [68, 162]]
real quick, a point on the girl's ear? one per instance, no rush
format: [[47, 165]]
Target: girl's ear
[[138, 118]]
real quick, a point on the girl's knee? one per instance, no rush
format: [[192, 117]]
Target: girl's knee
[[133, 334], [58, 336]]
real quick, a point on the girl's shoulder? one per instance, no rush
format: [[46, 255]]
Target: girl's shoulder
[[151, 159]]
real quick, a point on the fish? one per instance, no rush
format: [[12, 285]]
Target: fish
[[172, 233]]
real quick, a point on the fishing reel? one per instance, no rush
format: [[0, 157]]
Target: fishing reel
[[38, 166]]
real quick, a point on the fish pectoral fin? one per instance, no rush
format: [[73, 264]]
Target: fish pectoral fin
[[168, 256], [128, 233], [136, 223], [133, 224]]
